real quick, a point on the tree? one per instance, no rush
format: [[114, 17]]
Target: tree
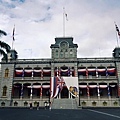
[[4, 47]]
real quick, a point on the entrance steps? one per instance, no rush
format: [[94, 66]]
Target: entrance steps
[[64, 104]]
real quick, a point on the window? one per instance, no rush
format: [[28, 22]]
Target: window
[[66, 53], [56, 53], [71, 53], [61, 54], [6, 72], [4, 91]]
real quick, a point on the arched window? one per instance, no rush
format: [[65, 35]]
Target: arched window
[[4, 91], [6, 72]]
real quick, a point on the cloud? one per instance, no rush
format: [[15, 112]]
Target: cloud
[[38, 22]]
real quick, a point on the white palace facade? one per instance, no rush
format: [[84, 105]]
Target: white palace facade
[[24, 81]]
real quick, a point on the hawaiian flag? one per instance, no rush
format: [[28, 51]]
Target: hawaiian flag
[[56, 85]]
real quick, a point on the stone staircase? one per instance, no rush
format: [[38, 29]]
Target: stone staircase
[[64, 104]]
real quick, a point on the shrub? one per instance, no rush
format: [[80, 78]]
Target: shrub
[[115, 103], [25, 103], [94, 103], [83, 103], [104, 103]]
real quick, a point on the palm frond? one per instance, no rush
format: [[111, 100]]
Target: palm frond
[[2, 33], [5, 46], [4, 55]]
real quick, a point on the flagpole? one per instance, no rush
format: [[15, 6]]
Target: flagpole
[[12, 44], [63, 22]]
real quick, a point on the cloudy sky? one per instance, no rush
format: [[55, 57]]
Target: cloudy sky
[[38, 22]]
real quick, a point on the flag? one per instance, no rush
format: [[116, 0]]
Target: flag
[[56, 85], [72, 85], [117, 29], [13, 33], [65, 14]]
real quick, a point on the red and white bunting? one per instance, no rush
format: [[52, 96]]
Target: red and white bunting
[[83, 86], [101, 70], [37, 70], [91, 70], [64, 70], [111, 69], [36, 86], [28, 71], [112, 85], [29, 86], [46, 70], [81, 70], [45, 86], [92, 86], [19, 70], [103, 86]]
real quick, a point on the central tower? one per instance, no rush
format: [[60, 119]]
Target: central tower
[[64, 48]]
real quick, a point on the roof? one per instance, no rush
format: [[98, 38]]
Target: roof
[[58, 40]]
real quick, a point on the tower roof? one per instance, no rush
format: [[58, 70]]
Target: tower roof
[[69, 40]]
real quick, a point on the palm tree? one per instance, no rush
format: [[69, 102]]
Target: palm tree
[[4, 47]]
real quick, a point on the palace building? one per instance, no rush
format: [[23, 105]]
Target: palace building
[[95, 80]]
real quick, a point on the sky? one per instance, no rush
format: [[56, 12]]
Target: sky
[[38, 22]]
